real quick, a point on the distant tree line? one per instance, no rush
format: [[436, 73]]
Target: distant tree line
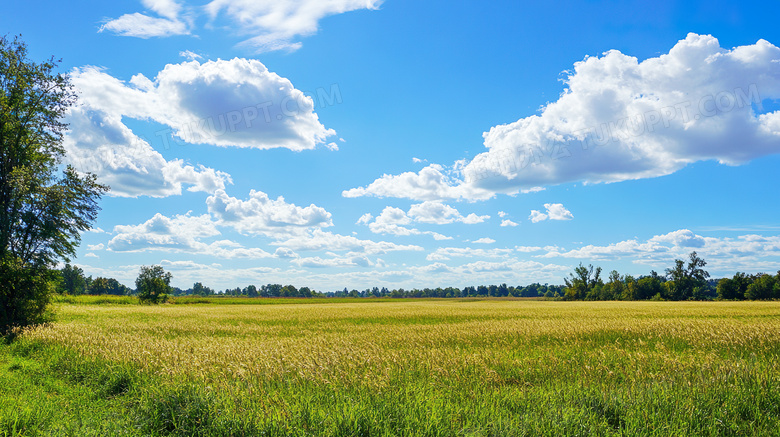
[[72, 281], [685, 281]]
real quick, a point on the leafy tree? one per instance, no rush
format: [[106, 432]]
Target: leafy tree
[[306, 292], [42, 214], [649, 286], [583, 282], [200, 290], [251, 291], [685, 280], [613, 289], [153, 284], [73, 281], [102, 285], [762, 288]]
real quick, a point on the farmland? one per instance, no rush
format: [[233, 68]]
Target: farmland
[[397, 367]]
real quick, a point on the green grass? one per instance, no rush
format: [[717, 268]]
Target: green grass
[[410, 368]]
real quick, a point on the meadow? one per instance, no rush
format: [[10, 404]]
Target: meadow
[[396, 367]]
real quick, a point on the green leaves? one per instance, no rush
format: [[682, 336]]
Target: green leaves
[[153, 284], [42, 214]]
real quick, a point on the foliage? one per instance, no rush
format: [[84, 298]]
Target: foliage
[[100, 285], [72, 280], [41, 214], [763, 287], [584, 283], [153, 284], [687, 281], [25, 293]]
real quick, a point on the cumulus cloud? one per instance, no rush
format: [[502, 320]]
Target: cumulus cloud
[[394, 220], [170, 21], [431, 183], [439, 213], [507, 222], [620, 119], [317, 239], [224, 103], [275, 25], [234, 102], [554, 211], [724, 255], [181, 233], [485, 240], [100, 143], [260, 214]]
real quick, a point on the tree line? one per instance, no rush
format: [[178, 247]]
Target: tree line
[[684, 281]]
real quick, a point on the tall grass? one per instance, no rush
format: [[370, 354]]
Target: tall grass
[[427, 368]]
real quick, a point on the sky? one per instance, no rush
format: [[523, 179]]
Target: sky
[[397, 143]]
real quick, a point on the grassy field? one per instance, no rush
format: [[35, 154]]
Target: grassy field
[[411, 368]]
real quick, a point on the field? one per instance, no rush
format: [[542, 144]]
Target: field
[[397, 367]]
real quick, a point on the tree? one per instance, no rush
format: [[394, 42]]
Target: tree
[[762, 287], [613, 290], [583, 282], [73, 281], [686, 282], [102, 285], [42, 214], [199, 289], [649, 286], [153, 284]]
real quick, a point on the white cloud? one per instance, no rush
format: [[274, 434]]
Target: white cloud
[[283, 252], [485, 240], [502, 214], [620, 119], [260, 214], [96, 246], [439, 213], [393, 220], [183, 234], [430, 183], [507, 222], [350, 260], [446, 253], [681, 238], [100, 143], [170, 21], [751, 253], [224, 103], [554, 211], [390, 221], [527, 249], [190, 55], [276, 24], [317, 239], [537, 216]]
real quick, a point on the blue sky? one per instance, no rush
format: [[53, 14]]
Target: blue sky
[[394, 143]]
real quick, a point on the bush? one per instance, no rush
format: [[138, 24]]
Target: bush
[[25, 294]]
